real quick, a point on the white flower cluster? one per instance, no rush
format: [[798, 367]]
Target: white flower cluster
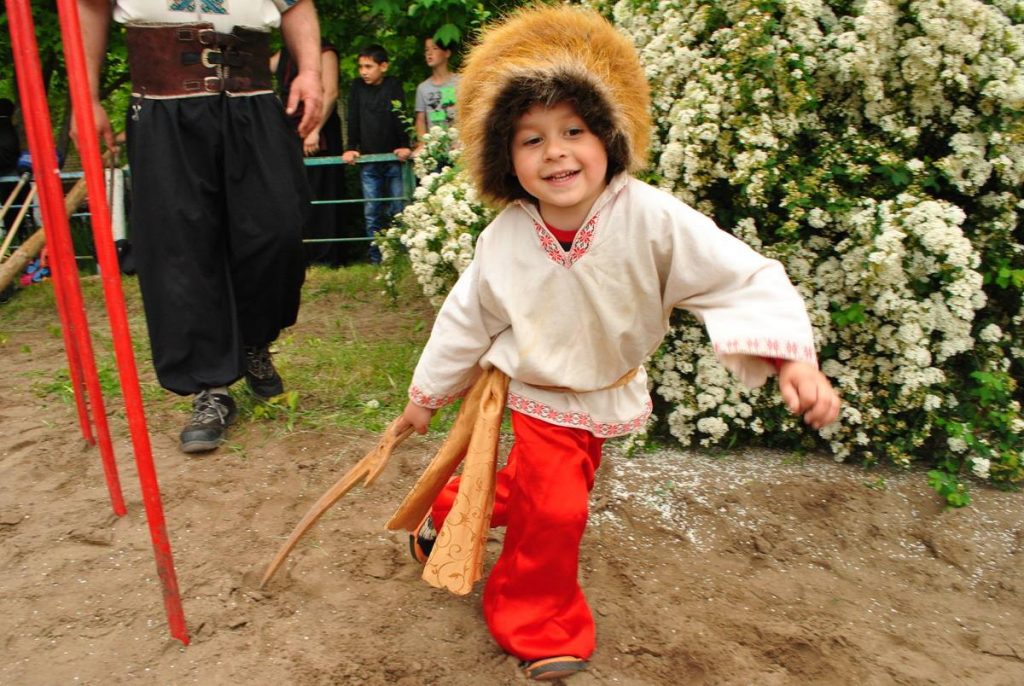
[[438, 229], [877, 150]]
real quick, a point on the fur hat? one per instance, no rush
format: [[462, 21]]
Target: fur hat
[[549, 55]]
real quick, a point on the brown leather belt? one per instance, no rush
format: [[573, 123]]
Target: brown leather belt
[[176, 60]]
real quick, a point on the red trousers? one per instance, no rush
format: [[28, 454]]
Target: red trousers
[[533, 603]]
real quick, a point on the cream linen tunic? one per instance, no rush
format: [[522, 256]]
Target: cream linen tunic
[[582, 319], [262, 15]]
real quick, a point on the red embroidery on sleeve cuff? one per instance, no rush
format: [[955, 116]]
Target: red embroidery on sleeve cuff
[[432, 401], [767, 348]]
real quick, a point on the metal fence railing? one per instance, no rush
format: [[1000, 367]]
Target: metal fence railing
[[67, 178]]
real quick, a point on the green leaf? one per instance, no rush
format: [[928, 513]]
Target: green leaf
[[449, 33], [854, 314]]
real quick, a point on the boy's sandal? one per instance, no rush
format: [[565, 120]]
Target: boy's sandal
[[548, 668]]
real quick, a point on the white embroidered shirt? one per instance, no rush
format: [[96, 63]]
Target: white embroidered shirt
[[581, 319], [263, 15]]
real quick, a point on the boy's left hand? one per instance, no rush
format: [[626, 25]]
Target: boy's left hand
[[806, 391]]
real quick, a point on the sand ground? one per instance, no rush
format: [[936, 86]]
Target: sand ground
[[743, 568]]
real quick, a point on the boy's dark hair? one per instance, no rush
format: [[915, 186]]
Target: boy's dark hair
[[519, 95], [375, 52], [446, 45]]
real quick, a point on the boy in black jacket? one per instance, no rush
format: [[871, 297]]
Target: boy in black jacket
[[373, 128]]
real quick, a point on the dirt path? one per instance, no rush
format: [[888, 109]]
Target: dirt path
[[743, 569]]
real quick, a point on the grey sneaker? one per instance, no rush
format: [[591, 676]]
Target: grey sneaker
[[211, 415], [260, 374]]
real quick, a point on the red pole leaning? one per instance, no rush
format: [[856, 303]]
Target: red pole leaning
[[75, 369], [68, 331], [55, 224], [88, 146]]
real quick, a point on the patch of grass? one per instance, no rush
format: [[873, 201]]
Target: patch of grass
[[347, 363], [334, 381], [358, 281], [59, 383], [26, 302], [352, 367]]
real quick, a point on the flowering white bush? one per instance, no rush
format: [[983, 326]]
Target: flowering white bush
[[438, 229], [876, 149]]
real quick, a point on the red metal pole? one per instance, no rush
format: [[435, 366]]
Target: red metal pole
[[75, 370], [55, 224], [88, 146]]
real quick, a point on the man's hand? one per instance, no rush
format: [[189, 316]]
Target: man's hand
[[307, 89], [807, 392], [402, 154], [416, 416], [103, 128], [350, 156]]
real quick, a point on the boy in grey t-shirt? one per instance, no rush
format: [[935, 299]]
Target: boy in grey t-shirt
[[435, 97]]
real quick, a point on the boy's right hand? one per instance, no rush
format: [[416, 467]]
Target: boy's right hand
[[350, 156], [416, 416]]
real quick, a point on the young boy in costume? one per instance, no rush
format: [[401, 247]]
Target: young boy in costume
[[569, 291]]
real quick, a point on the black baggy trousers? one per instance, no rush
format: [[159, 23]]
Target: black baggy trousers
[[219, 198]]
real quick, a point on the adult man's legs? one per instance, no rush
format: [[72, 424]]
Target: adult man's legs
[[217, 223], [180, 247]]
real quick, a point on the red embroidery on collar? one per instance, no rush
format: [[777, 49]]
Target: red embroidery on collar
[[580, 244]]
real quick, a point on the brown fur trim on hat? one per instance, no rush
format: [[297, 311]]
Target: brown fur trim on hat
[[548, 55]]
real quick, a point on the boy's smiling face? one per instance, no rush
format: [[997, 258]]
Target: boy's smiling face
[[559, 162]]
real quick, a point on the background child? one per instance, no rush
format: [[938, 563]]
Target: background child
[[374, 128], [570, 290], [435, 96]]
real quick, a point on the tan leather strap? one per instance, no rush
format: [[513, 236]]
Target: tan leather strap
[[618, 383]]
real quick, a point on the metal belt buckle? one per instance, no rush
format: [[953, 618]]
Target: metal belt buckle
[[213, 84], [207, 37], [204, 57]]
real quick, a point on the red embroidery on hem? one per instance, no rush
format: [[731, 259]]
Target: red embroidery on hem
[[579, 420]]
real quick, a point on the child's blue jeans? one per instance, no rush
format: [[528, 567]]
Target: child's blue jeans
[[380, 180]]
